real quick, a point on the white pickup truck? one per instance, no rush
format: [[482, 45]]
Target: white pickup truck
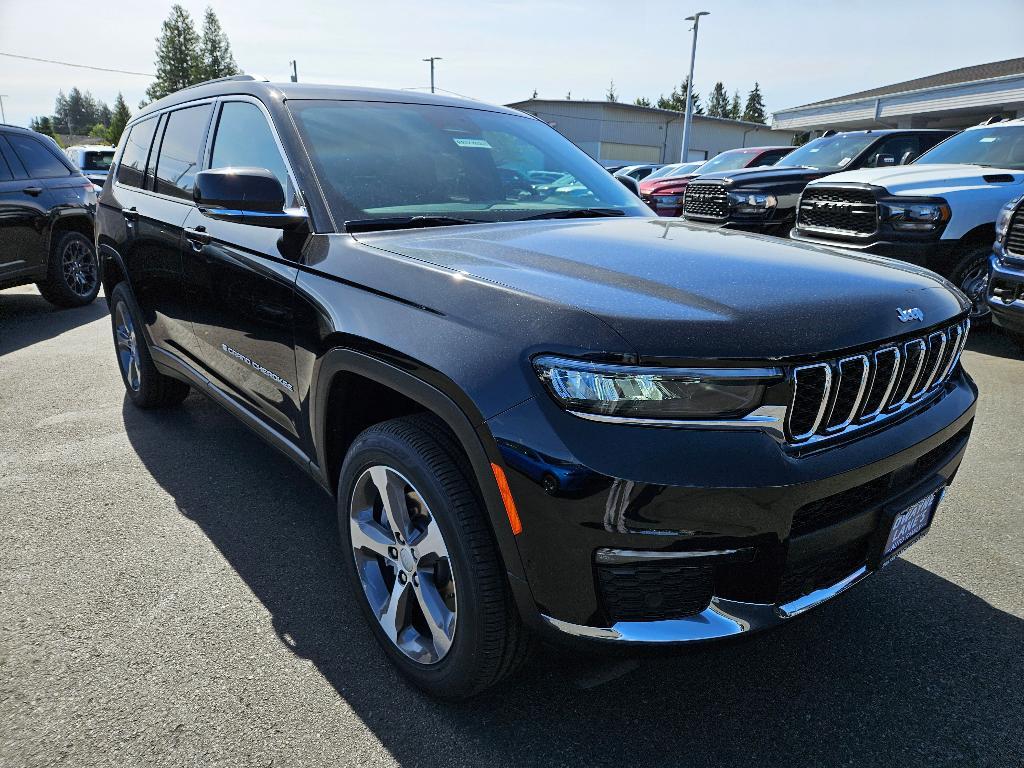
[[939, 211]]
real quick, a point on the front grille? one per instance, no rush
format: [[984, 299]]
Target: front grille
[[841, 210], [706, 200], [832, 397], [1015, 235], [653, 591]]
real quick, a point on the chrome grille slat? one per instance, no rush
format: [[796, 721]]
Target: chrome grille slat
[[837, 396], [1015, 235]]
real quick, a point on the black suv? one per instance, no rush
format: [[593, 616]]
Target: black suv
[[47, 210], [540, 412], [765, 199]]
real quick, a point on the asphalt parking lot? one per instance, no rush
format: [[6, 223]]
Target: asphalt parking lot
[[170, 595]]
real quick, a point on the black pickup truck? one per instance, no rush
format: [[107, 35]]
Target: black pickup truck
[[765, 199]]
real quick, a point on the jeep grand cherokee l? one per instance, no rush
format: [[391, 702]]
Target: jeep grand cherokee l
[[720, 432], [764, 199]]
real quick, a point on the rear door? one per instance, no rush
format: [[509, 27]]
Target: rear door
[[240, 278]]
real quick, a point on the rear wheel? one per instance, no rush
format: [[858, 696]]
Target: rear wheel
[[971, 277], [422, 561], [72, 275], [145, 385]]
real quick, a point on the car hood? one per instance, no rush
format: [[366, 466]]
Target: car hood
[[765, 175], [678, 291], [673, 182], [930, 179]]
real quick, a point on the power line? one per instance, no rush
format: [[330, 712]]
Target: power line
[[78, 66]]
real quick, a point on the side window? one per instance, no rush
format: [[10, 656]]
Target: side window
[[895, 147], [180, 148], [132, 168], [244, 140], [768, 158], [5, 171], [39, 161]]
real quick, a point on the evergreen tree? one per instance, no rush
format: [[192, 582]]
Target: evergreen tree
[[718, 102], [735, 111], [177, 55], [118, 120], [642, 101], [216, 59], [43, 125], [677, 100], [754, 111], [611, 95]]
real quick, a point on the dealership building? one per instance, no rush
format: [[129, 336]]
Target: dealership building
[[955, 99], [614, 133]]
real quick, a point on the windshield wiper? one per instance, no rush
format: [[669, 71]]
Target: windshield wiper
[[405, 222], [575, 213]]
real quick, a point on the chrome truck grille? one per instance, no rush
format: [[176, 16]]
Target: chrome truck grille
[[706, 200], [837, 396], [838, 210]]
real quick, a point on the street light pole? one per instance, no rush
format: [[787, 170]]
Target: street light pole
[[3, 116], [432, 59], [685, 150]]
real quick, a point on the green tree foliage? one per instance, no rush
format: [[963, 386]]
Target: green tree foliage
[[611, 95], [216, 59], [718, 102], [44, 126], [99, 131], [677, 100], [642, 101], [118, 120], [77, 112], [177, 55], [735, 110], [754, 111]]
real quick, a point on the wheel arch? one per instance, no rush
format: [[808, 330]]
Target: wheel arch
[[341, 371], [112, 269]]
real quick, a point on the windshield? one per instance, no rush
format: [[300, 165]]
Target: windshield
[[676, 169], [386, 161], [999, 147], [97, 160], [828, 152], [727, 161]]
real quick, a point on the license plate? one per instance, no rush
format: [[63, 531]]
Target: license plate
[[909, 525]]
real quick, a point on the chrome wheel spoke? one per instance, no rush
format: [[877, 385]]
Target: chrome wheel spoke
[[369, 536], [440, 620], [391, 488], [430, 544], [393, 613]]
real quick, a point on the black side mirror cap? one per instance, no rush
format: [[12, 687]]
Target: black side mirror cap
[[251, 196], [629, 183]]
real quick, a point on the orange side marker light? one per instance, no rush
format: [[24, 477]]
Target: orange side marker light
[[506, 497]]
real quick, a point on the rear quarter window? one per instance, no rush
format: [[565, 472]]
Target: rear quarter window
[[39, 161]]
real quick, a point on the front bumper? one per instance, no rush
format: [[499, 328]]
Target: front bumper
[[1006, 295], [937, 255], [727, 503]]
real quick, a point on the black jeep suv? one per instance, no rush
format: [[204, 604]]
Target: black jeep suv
[[541, 412], [47, 212], [765, 199]]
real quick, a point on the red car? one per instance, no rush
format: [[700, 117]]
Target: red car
[[664, 194]]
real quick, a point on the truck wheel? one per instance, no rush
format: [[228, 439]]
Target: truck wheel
[[971, 277], [72, 273], [145, 385], [422, 560]]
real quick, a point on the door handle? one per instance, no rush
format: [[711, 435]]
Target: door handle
[[197, 237], [33, 191], [131, 215]]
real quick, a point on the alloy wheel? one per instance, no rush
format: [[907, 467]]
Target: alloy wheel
[[403, 564], [79, 265], [974, 283], [127, 346]]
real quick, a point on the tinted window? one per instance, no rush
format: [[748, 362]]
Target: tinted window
[[97, 160], [40, 162], [996, 146], [178, 163], [829, 152], [770, 158], [895, 147], [244, 140], [5, 171], [133, 161], [727, 161]]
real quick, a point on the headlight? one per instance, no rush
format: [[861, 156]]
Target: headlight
[[752, 202], [667, 200], [914, 216], [1003, 219], [654, 393]]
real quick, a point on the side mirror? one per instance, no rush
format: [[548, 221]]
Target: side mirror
[[881, 161], [251, 196], [908, 156], [629, 183]]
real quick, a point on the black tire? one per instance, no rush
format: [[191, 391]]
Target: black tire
[[971, 277], [145, 385], [489, 641], [550, 484], [72, 272]]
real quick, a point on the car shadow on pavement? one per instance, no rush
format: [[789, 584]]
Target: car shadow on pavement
[[993, 342], [28, 318], [907, 669]]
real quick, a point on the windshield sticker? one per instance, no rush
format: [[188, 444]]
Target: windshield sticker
[[845, 160], [477, 143], [814, 149], [987, 139]]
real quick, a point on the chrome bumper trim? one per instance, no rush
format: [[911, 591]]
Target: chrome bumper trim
[[723, 618]]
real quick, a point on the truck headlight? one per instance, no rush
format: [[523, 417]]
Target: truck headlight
[[640, 392], [1004, 217], [752, 202], [916, 216]]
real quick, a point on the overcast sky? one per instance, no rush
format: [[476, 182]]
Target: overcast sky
[[501, 51]]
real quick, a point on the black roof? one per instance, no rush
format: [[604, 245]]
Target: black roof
[[952, 77], [248, 85]]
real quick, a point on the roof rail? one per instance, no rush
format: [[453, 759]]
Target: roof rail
[[220, 80]]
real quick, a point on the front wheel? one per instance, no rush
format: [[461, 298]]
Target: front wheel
[[971, 276], [422, 560]]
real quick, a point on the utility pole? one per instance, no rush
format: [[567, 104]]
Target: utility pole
[[295, 71], [3, 116], [432, 59], [685, 151]]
